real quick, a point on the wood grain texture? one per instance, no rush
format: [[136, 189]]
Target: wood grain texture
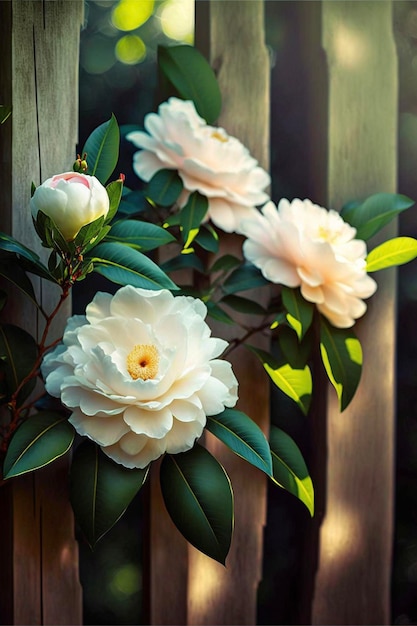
[[231, 34], [39, 77], [353, 578]]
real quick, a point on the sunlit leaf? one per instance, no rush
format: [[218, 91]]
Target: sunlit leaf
[[114, 191], [290, 470], [295, 383], [297, 353], [191, 216], [208, 239], [191, 75], [39, 440], [341, 353], [199, 499], [243, 436], [102, 148], [101, 490], [392, 252], [141, 235], [164, 187], [126, 266], [370, 216], [299, 311]]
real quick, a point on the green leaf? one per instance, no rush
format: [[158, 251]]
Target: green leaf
[[89, 233], [18, 277], [341, 353], [164, 187], [295, 383], [245, 277], [100, 490], [243, 436], [297, 353], [31, 260], [19, 352], [199, 498], [290, 470], [114, 191], [243, 305], [225, 263], [219, 314], [39, 440], [370, 216], [191, 75], [141, 235], [299, 311], [208, 239], [126, 266], [102, 148], [5, 112], [395, 251], [183, 261], [191, 216]]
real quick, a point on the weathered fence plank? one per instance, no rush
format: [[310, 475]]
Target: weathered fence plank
[[39, 54], [353, 578]]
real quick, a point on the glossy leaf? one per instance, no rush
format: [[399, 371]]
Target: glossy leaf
[[18, 277], [290, 470], [31, 261], [164, 188], [191, 216], [183, 261], [392, 253], [299, 312], [244, 277], [100, 490], [191, 75], [243, 305], [141, 235], [114, 191], [243, 436], [341, 353], [295, 383], [370, 216], [102, 148], [39, 440], [226, 263], [126, 266], [199, 498], [19, 353], [297, 353], [219, 314], [208, 239]]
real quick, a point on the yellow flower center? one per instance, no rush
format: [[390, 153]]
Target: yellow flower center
[[326, 234], [216, 135], [142, 362]]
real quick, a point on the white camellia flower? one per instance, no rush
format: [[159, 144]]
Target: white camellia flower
[[140, 374], [72, 200], [208, 160], [300, 244]]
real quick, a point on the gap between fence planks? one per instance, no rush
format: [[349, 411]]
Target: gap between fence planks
[[39, 76]]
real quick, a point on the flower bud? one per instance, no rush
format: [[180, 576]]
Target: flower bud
[[80, 165], [71, 200]]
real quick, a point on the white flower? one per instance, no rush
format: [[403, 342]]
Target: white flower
[[140, 374], [208, 160], [72, 200], [303, 245]]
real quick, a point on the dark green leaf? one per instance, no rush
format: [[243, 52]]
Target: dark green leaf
[[199, 499], [16, 275], [191, 75], [164, 188], [297, 353], [299, 311], [208, 239], [126, 266], [370, 216], [102, 148], [191, 216], [243, 436], [19, 353], [219, 314], [243, 305], [290, 470], [142, 235], [38, 441], [31, 262], [101, 490], [295, 383], [342, 357], [183, 261], [5, 112], [245, 277], [225, 263]]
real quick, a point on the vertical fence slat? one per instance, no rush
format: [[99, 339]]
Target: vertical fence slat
[[353, 578], [40, 47]]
